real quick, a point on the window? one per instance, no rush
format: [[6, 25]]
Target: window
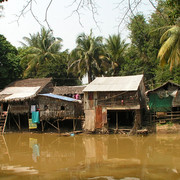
[[90, 95], [62, 108]]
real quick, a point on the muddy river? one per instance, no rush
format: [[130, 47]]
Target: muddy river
[[106, 157]]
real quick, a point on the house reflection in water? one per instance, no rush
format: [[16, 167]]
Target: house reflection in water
[[88, 156]]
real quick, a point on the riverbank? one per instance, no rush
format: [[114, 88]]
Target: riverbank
[[168, 128]]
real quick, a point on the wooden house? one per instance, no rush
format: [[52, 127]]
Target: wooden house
[[114, 103], [164, 102], [54, 109], [26, 99]]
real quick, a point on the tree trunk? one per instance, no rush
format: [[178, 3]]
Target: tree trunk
[[89, 75]]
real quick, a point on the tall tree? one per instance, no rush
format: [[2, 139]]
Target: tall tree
[[87, 56], [40, 48], [10, 69], [115, 51]]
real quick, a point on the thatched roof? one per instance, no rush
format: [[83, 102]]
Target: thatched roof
[[31, 82], [62, 90], [24, 89]]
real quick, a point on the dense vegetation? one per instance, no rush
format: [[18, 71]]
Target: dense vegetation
[[154, 51]]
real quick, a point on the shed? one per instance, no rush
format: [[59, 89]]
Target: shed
[[164, 102], [114, 103]]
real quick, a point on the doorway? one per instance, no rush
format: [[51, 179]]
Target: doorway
[[123, 119]]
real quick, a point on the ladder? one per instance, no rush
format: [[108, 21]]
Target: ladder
[[3, 120]]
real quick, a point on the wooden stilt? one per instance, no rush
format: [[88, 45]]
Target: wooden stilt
[[9, 122], [52, 124], [42, 125], [74, 124], [19, 122], [28, 120], [116, 120], [16, 122], [58, 126]]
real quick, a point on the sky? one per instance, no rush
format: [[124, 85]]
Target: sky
[[63, 22]]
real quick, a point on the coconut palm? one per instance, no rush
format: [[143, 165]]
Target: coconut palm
[[86, 58], [170, 49], [115, 48], [41, 47]]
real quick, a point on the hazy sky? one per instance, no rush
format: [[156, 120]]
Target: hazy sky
[[65, 24]]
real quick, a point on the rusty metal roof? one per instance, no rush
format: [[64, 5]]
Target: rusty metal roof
[[117, 83]]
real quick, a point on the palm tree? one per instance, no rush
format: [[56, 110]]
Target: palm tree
[[86, 58], [115, 49], [41, 47], [170, 49]]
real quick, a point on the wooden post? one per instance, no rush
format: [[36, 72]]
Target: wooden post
[[19, 122], [9, 124], [42, 126], [74, 125], [116, 120], [28, 120], [58, 126]]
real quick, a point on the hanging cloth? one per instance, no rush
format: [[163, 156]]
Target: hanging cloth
[[35, 117]]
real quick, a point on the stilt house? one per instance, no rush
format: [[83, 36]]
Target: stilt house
[[164, 102], [29, 99], [114, 103]]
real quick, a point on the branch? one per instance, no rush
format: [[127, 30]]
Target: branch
[[158, 10], [29, 7], [46, 15]]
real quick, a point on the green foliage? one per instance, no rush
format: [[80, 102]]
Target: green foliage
[[170, 49], [163, 75], [9, 63], [41, 57], [173, 12], [87, 57], [115, 53], [40, 48]]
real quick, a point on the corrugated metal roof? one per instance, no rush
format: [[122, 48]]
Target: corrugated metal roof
[[13, 93], [118, 83], [64, 98]]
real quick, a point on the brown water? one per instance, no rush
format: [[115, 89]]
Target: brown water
[[107, 157]]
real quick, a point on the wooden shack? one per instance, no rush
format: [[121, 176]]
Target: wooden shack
[[55, 108], [17, 98], [114, 103], [164, 102], [23, 100]]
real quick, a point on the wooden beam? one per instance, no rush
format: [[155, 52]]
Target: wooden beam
[[51, 124]]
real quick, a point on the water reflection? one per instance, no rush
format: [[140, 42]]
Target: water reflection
[[50, 156]]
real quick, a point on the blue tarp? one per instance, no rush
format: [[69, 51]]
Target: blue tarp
[[60, 97], [35, 117]]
